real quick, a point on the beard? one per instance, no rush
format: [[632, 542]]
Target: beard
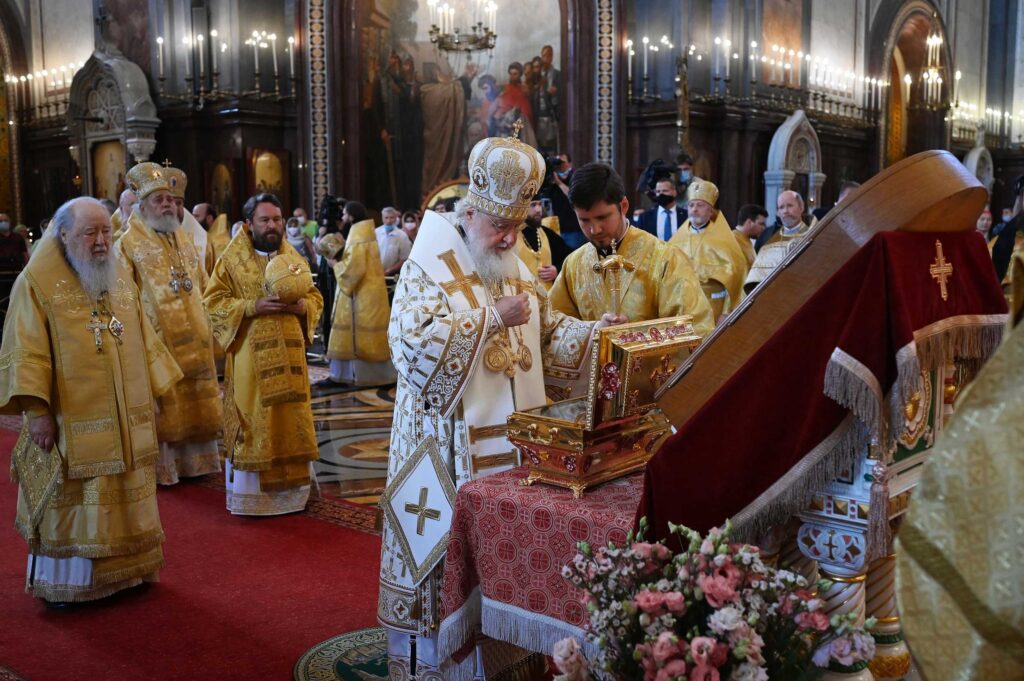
[[164, 224], [492, 265], [95, 272], [268, 242]]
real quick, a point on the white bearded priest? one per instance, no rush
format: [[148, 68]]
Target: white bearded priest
[[473, 339]]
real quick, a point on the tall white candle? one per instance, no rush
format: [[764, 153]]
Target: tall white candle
[[291, 56], [188, 56], [273, 51], [213, 50], [200, 40], [645, 41], [629, 60], [160, 55]]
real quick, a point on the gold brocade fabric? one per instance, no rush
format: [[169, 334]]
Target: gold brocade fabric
[[260, 436], [191, 411], [960, 569], [746, 246], [715, 255], [359, 329], [102, 401], [534, 259], [219, 237], [663, 284]]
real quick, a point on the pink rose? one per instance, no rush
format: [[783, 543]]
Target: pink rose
[[675, 602], [642, 549], [673, 670], [650, 602], [661, 552], [703, 672], [702, 647], [730, 573], [665, 647], [717, 590], [812, 620]]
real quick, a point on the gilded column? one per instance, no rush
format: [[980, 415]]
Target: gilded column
[[892, 659]]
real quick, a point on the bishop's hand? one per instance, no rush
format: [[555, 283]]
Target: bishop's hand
[[514, 310], [609, 319], [270, 305], [43, 430]]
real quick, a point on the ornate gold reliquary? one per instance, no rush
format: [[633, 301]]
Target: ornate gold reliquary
[[615, 428]]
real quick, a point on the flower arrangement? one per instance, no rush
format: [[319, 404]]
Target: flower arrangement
[[713, 611]]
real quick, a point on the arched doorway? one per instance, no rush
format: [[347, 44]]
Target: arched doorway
[[913, 121], [794, 162]]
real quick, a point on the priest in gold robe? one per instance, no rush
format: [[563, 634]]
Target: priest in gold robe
[[474, 338], [662, 282], [707, 241], [81, 361], [268, 422], [217, 232], [790, 211], [358, 347], [162, 260], [126, 204]]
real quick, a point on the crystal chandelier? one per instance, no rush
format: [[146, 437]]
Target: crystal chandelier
[[447, 35]]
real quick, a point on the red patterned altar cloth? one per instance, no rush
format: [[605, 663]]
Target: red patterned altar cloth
[[508, 544]]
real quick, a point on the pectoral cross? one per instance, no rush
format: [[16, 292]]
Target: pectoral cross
[[941, 270], [613, 265], [96, 326], [421, 511], [462, 283]]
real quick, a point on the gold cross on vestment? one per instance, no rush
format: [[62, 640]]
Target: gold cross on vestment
[[96, 326], [941, 270], [422, 512], [463, 283], [516, 127], [507, 174]]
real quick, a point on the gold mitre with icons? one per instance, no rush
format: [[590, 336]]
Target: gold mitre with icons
[[505, 174], [287, 276], [177, 180], [704, 191], [146, 178]]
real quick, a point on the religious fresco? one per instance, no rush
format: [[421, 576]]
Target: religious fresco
[[221, 187], [108, 168], [423, 109], [268, 172]]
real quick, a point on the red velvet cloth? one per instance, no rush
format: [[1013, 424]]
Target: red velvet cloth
[[511, 542], [773, 411]]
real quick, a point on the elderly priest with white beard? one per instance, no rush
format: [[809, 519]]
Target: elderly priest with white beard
[[165, 264], [81, 361], [473, 339]]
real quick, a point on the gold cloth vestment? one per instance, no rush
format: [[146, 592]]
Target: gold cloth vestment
[[716, 257], [191, 411], [662, 284], [746, 246], [534, 259], [268, 422], [773, 253], [102, 402], [361, 309]]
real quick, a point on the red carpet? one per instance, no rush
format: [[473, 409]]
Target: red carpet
[[239, 598]]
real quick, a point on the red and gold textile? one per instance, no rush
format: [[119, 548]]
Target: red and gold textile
[[819, 390], [508, 544]]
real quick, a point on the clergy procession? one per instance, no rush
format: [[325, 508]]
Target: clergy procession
[[635, 341]]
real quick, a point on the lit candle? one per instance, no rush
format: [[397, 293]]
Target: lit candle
[[645, 41], [273, 51], [430, 10], [451, 19], [727, 50], [291, 57], [775, 54], [956, 87], [753, 61], [160, 55], [629, 60], [199, 48], [188, 56], [792, 68], [256, 55], [716, 57], [213, 50]]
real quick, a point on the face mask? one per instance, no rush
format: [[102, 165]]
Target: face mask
[[685, 176], [294, 231], [1006, 216], [664, 200], [389, 228], [410, 226], [563, 173], [5, 226]]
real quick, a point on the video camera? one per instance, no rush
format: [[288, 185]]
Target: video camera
[[656, 171]]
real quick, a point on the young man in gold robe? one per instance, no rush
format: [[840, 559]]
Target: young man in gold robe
[[662, 283], [707, 241], [358, 347], [268, 421], [162, 261], [82, 362]]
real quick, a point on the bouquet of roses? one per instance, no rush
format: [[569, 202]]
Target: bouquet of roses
[[714, 611]]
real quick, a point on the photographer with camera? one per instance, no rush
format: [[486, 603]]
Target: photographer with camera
[[558, 173]]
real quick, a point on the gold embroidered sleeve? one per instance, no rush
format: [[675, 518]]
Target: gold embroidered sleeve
[[225, 304], [561, 294], [26, 368], [164, 372], [435, 349], [351, 269], [314, 308], [565, 347], [679, 292]]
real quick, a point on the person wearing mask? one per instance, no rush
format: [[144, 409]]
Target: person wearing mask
[[309, 227], [684, 164], [556, 189], [410, 225], [300, 242], [664, 219], [394, 245]]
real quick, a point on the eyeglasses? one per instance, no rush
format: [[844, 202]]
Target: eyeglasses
[[503, 227]]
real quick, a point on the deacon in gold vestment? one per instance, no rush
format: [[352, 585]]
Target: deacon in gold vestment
[[662, 283], [81, 360], [162, 259], [959, 568], [268, 422], [358, 347]]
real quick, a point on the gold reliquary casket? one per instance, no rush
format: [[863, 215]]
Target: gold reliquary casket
[[615, 428]]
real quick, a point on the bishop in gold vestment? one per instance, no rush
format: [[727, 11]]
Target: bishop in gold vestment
[[82, 362], [707, 241], [268, 421], [358, 347], [164, 264]]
